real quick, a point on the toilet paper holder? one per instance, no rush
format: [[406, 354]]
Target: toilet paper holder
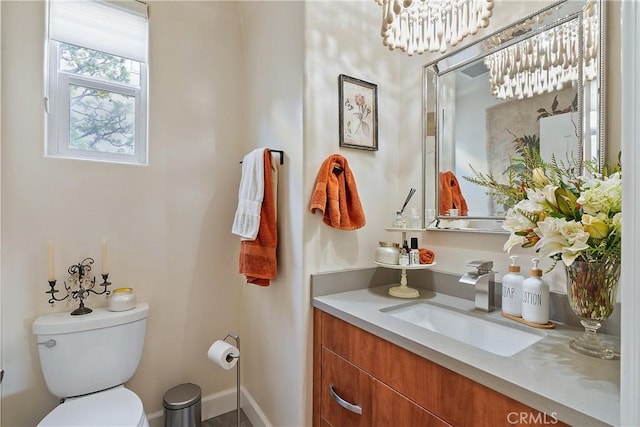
[[230, 357]]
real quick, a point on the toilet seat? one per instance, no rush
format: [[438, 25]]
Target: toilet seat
[[114, 407]]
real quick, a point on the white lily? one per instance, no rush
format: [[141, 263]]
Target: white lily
[[559, 236]]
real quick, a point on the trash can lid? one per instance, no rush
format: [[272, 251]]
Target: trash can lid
[[182, 396]]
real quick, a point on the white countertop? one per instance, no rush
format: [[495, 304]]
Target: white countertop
[[548, 376]]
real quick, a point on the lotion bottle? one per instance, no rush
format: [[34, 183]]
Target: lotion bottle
[[535, 297], [414, 253], [512, 289]]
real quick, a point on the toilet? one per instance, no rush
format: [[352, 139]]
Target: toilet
[[86, 360]]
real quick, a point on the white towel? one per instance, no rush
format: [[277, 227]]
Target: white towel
[[250, 195]]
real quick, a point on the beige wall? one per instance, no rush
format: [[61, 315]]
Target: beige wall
[[342, 38], [168, 224], [272, 318]]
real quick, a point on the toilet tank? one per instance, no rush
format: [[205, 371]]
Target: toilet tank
[[92, 352]]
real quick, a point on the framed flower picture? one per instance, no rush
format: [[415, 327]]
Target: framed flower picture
[[358, 113]]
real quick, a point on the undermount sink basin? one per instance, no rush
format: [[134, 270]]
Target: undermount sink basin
[[467, 327]]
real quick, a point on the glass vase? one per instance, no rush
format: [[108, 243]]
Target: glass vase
[[592, 289]]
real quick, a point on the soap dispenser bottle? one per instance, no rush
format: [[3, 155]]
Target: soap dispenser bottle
[[535, 297], [512, 289]]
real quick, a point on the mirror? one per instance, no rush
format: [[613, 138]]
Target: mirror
[[536, 84]]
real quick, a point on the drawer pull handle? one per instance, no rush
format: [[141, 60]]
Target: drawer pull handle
[[346, 405]]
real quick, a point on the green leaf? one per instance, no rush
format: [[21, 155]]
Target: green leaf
[[566, 202]]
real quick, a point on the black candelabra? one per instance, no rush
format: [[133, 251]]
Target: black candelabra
[[80, 285]]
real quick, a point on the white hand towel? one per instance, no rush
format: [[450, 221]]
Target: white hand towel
[[250, 195]]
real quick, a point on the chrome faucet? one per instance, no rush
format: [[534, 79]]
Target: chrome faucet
[[483, 279]]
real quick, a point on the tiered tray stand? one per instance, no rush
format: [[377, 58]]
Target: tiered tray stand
[[402, 290]]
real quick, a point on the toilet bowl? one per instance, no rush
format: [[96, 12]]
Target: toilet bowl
[[117, 407], [86, 360]]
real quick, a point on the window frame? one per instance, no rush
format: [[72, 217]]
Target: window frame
[[57, 110]]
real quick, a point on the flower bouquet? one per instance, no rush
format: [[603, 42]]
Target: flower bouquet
[[570, 216]]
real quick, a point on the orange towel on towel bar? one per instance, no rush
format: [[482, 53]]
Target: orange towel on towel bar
[[336, 195], [258, 260]]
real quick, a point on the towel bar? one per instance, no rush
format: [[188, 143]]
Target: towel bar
[[280, 152]]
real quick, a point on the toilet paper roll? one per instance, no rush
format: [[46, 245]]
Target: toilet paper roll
[[223, 354]]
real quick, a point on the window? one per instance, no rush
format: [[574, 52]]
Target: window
[[96, 96]]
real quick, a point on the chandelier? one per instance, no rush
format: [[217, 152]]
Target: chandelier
[[417, 26], [547, 62]]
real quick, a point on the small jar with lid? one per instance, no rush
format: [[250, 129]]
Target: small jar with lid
[[388, 253], [122, 299]]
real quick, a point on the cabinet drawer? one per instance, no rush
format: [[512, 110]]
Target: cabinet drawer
[[348, 341], [346, 390], [390, 408]]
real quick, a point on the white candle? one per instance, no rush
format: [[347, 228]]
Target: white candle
[[105, 259], [51, 270]]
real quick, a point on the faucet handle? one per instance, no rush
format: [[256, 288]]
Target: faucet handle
[[482, 266]]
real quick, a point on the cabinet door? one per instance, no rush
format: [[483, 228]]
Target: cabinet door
[[346, 392], [390, 408]]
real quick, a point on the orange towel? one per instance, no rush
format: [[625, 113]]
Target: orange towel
[[450, 195], [258, 257], [336, 195], [427, 256]]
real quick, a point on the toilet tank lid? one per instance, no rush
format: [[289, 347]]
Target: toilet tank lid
[[100, 317]]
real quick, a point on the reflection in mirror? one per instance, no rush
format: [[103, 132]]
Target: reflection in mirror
[[546, 122], [533, 85]]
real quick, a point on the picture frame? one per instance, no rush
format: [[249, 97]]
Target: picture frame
[[358, 113]]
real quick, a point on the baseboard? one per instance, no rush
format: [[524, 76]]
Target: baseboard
[[253, 411], [221, 403]]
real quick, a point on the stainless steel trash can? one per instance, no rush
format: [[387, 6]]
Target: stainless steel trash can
[[182, 406]]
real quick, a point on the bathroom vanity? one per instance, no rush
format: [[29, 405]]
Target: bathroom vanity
[[392, 386], [372, 368]]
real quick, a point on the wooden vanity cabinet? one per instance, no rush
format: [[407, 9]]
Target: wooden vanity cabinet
[[394, 387]]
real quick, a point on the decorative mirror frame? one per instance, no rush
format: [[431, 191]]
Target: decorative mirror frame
[[558, 13]]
